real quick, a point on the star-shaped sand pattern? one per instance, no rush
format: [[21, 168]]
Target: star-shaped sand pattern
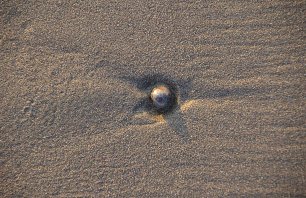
[[173, 116]]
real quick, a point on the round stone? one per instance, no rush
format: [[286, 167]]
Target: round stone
[[160, 96]]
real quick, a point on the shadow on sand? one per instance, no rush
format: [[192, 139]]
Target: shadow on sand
[[177, 123]]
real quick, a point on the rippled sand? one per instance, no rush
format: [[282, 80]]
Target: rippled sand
[[72, 124]]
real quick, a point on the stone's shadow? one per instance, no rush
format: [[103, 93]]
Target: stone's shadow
[[141, 105], [178, 86], [146, 84], [185, 88], [172, 116], [177, 123], [174, 120]]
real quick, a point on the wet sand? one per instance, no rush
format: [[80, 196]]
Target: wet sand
[[73, 125]]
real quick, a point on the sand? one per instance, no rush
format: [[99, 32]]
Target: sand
[[72, 124]]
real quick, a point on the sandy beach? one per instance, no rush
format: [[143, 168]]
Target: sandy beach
[[73, 91]]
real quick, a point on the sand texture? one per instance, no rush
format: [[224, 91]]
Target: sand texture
[[72, 120]]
